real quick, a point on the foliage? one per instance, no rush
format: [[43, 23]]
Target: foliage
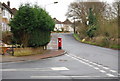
[[22, 24], [39, 38], [30, 24], [76, 37], [7, 37], [91, 31], [92, 24], [103, 22], [43, 20], [91, 18]]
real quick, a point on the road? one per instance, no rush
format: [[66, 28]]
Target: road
[[80, 61]]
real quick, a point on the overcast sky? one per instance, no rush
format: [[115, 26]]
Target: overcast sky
[[55, 10]]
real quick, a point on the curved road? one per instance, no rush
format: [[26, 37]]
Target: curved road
[[81, 61], [100, 55]]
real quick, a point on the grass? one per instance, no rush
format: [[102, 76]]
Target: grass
[[76, 37], [102, 44], [115, 47]]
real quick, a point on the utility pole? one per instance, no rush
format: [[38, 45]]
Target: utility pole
[[74, 26], [74, 22]]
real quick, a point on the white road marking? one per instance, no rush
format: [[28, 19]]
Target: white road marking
[[8, 70], [113, 71], [110, 75], [105, 67], [59, 68], [99, 65], [96, 64], [102, 71], [93, 65], [90, 62], [62, 76], [89, 65], [96, 68], [37, 69]]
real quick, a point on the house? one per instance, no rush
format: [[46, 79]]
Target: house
[[67, 25], [6, 14], [0, 14], [58, 25], [63, 26], [0, 21]]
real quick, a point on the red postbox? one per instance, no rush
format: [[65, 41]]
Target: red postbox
[[59, 43]]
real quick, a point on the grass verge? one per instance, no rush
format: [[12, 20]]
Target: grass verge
[[77, 37], [117, 47]]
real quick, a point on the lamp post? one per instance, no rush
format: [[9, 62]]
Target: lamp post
[[50, 4]]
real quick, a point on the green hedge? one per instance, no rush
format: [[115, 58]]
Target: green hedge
[[39, 38], [31, 26]]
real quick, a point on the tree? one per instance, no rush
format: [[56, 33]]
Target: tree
[[92, 24], [91, 17], [80, 11], [119, 19], [31, 26], [44, 24], [22, 24]]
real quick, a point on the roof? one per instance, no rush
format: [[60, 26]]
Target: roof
[[12, 11], [7, 7], [57, 21], [67, 22]]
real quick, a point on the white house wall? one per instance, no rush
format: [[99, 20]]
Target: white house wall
[[66, 27], [0, 21], [5, 27], [58, 27], [6, 15]]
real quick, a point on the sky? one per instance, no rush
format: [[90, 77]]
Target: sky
[[55, 10]]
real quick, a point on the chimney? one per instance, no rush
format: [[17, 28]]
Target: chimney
[[8, 3]]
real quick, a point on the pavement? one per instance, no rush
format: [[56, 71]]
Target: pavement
[[82, 61], [52, 51], [46, 54]]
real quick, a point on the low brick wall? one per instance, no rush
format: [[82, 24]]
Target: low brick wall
[[28, 51]]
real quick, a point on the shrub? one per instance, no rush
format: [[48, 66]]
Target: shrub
[[91, 31], [31, 26], [7, 37], [102, 41]]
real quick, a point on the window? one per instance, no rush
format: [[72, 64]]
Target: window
[[3, 12]]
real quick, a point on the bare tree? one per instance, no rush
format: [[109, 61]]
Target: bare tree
[[79, 11]]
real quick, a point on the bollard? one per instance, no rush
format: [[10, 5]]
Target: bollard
[[59, 43]]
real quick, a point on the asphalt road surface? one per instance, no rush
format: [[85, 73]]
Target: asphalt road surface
[[80, 61]]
